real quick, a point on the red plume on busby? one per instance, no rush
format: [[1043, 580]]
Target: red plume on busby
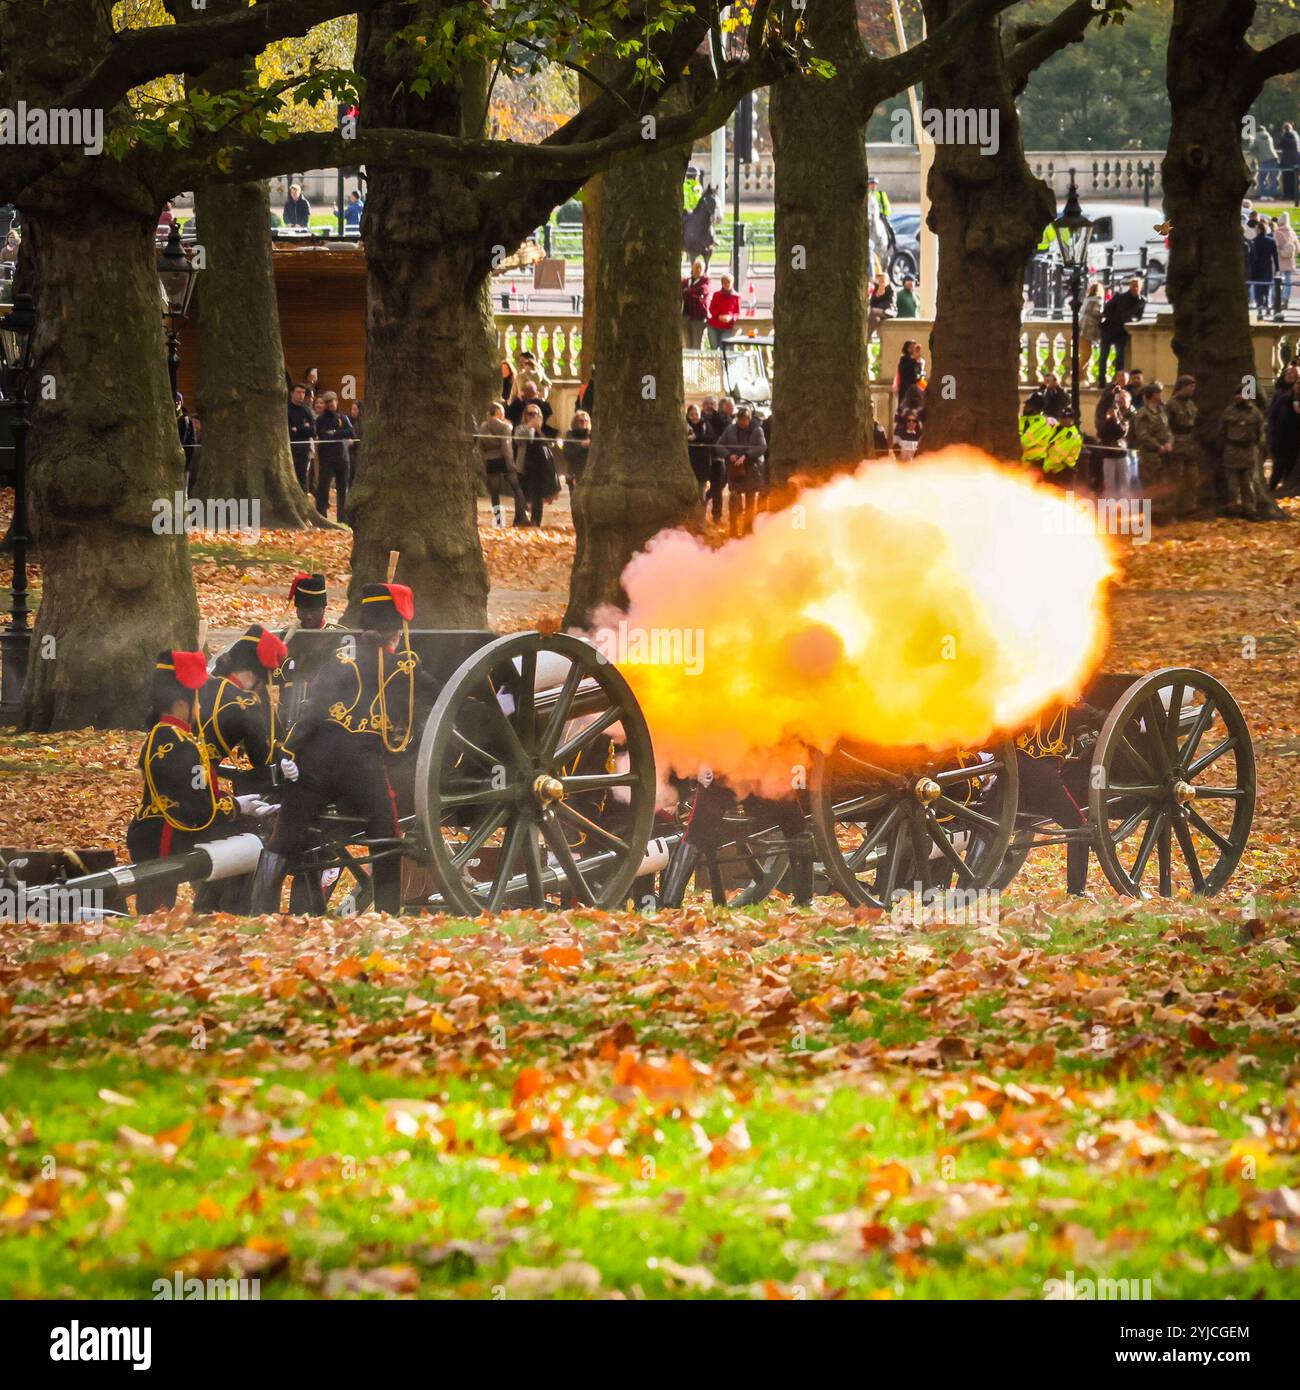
[[271, 650], [189, 668], [403, 601]]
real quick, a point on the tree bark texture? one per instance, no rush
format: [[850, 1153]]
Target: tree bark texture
[[1205, 178], [988, 212], [241, 392], [426, 262], [103, 446], [638, 481], [821, 405]]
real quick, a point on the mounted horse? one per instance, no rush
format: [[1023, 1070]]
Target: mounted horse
[[697, 226]]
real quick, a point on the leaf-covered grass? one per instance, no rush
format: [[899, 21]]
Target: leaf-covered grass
[[751, 1104]]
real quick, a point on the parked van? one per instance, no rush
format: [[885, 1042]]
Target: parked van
[[1128, 228]]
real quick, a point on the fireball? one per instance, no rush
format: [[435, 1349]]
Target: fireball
[[928, 604]]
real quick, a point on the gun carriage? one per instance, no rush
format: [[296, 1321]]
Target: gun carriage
[[531, 784]]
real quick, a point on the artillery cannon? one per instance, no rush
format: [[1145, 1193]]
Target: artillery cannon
[[532, 784]]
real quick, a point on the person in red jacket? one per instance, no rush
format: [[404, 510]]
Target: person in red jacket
[[695, 304], [724, 310]]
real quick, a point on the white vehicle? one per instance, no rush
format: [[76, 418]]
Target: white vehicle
[[1127, 228]]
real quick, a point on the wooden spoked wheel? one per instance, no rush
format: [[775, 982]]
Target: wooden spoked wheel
[[1172, 793], [530, 797], [885, 824]]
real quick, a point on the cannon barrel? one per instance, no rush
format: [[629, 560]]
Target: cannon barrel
[[210, 860]]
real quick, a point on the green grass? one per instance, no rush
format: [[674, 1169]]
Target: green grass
[[752, 1126]]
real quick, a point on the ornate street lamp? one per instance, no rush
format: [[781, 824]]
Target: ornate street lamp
[[176, 277], [16, 331], [1073, 233]]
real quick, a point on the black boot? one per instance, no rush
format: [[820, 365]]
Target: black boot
[[1076, 868], [673, 881], [268, 880], [386, 876], [801, 871]]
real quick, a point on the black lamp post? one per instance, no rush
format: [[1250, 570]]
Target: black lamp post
[[176, 276], [1073, 233], [15, 642]]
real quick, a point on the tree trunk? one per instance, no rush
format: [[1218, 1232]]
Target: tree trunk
[[988, 212], [1205, 178], [822, 246], [591, 203], [241, 391], [638, 480], [425, 274], [104, 450]]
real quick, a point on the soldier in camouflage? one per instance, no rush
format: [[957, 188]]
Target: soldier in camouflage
[[1154, 441], [1241, 433], [1185, 460]]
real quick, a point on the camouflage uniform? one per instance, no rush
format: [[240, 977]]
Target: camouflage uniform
[[1151, 433], [1185, 461], [1241, 431]]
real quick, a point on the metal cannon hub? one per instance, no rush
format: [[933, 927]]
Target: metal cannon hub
[[548, 789], [1184, 792], [927, 790]]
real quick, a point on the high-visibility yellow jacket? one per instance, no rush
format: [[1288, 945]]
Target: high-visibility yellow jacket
[[1035, 432], [1064, 446]]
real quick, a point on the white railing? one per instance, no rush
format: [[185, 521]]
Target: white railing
[[555, 340]]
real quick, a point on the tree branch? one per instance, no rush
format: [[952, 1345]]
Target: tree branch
[[1277, 59], [883, 78], [138, 56], [245, 158], [1049, 39]]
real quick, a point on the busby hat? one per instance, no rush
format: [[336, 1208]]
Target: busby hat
[[259, 646], [308, 589], [188, 669], [387, 605], [176, 676]]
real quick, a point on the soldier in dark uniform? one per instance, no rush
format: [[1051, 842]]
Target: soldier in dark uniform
[[237, 718], [359, 712], [307, 650], [181, 803], [1054, 784]]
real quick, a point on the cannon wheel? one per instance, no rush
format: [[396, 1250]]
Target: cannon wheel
[[943, 819], [517, 789], [1172, 784]]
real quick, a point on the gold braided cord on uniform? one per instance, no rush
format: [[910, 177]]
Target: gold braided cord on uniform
[[1046, 743], [159, 803], [406, 662]]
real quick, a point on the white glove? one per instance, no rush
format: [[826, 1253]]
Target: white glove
[[253, 805], [289, 769]]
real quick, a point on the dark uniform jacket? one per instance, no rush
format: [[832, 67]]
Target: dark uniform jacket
[[302, 427], [180, 804], [363, 691], [333, 431], [309, 648], [234, 721]]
